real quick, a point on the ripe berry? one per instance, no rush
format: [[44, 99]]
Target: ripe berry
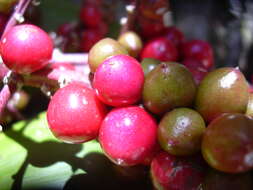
[[91, 15], [161, 49], [197, 69], [174, 35], [118, 80], [128, 135], [74, 113], [149, 28], [169, 172], [26, 48], [199, 50], [65, 29], [89, 37]]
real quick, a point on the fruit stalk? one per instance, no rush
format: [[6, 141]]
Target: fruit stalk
[[45, 79], [131, 9], [5, 95], [17, 15]]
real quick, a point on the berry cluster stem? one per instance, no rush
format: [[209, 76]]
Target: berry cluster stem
[[131, 16], [17, 15]]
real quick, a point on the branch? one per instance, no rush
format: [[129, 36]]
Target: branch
[[5, 95], [17, 15], [128, 24]]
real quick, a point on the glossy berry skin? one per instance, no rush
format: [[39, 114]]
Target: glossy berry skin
[[103, 49], [227, 143], [89, 37], [132, 42], [128, 135], [174, 35], [148, 64], [169, 172], [196, 68], [118, 81], [91, 15], [224, 90], [169, 85], [150, 28], [75, 114], [180, 131], [161, 49], [199, 50], [26, 48], [249, 110]]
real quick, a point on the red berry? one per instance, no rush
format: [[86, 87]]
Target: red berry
[[119, 80], [128, 135], [65, 29], [199, 50], [161, 49], [149, 28], [174, 35], [89, 37], [75, 114], [26, 48], [91, 15], [169, 172], [102, 28], [197, 69]]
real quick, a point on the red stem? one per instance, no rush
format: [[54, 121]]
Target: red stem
[[19, 11], [5, 95], [131, 17]]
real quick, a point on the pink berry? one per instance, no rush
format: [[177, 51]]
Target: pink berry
[[160, 48], [169, 172], [26, 48], [75, 114], [128, 135], [118, 81], [199, 50]]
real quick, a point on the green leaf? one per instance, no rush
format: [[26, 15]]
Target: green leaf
[[31, 155], [31, 158], [55, 13]]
